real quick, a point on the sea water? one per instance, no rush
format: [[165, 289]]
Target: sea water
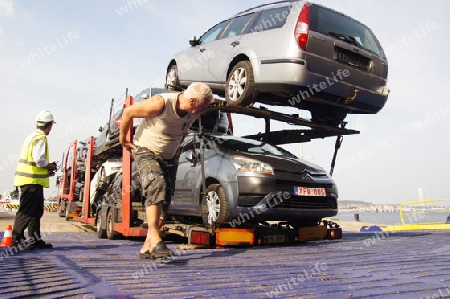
[[393, 218]]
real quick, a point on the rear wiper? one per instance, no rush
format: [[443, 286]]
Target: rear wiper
[[347, 38]]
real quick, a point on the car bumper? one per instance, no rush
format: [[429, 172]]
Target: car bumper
[[294, 85], [261, 199]]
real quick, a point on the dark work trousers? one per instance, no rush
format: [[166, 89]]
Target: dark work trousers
[[157, 177], [29, 214]]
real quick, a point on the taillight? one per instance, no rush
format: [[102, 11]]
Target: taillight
[[200, 237], [118, 121], [302, 27]]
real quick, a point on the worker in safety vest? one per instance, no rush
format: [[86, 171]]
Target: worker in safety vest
[[32, 176]]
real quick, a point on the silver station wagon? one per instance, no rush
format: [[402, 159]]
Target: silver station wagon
[[289, 53]]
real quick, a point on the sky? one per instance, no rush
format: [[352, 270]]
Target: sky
[[72, 57]]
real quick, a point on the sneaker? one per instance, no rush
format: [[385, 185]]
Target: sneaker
[[161, 251]]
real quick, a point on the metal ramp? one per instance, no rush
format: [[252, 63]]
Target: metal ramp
[[284, 136]]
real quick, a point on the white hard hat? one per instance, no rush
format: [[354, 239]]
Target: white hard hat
[[44, 117]]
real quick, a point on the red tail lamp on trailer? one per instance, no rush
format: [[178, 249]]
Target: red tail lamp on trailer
[[200, 237]]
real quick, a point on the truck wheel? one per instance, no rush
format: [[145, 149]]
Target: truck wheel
[[68, 211], [110, 234], [214, 206], [240, 86], [172, 82], [101, 232], [61, 212]]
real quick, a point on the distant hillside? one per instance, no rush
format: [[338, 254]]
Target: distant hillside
[[354, 202]]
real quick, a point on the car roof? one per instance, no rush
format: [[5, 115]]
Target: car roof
[[268, 6], [288, 2]]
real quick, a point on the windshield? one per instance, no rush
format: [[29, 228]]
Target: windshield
[[331, 23], [235, 144]]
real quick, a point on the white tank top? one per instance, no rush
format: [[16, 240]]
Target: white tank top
[[162, 134]]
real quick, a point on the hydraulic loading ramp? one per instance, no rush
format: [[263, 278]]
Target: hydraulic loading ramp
[[289, 135], [284, 136]]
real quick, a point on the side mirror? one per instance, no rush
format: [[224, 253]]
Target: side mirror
[[100, 129], [192, 156], [189, 156], [193, 41]]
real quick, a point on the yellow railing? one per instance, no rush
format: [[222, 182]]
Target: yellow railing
[[421, 208]]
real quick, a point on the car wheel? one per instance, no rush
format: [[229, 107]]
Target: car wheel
[[214, 205], [101, 232], [240, 85], [172, 82], [326, 115], [110, 234]]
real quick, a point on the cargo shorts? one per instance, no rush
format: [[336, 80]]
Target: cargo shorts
[[157, 177]]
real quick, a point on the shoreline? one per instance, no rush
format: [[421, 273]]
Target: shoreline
[[353, 225]]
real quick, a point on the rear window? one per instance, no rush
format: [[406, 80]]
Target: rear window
[[334, 24]]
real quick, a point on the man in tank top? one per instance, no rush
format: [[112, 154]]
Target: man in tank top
[[166, 120]]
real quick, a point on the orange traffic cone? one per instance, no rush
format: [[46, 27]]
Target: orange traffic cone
[[7, 237]]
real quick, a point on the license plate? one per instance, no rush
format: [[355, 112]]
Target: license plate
[[274, 239], [303, 191]]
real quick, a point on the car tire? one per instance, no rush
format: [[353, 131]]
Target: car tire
[[172, 81], [240, 85], [61, 211], [110, 233], [214, 206], [67, 211], [101, 232]]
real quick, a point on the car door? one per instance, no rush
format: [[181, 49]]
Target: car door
[[222, 50], [183, 201], [191, 62]]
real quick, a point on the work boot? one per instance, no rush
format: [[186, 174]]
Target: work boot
[[42, 245], [31, 246], [19, 245]]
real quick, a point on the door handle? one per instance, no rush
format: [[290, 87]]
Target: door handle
[[202, 50], [235, 43]]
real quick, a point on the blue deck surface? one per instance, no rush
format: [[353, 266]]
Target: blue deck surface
[[360, 265]]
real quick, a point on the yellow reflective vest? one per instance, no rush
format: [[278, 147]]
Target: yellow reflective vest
[[27, 172]]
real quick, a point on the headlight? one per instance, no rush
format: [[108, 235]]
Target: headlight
[[245, 164]]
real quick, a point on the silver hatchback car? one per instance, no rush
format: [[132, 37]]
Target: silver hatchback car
[[289, 53], [249, 181]]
